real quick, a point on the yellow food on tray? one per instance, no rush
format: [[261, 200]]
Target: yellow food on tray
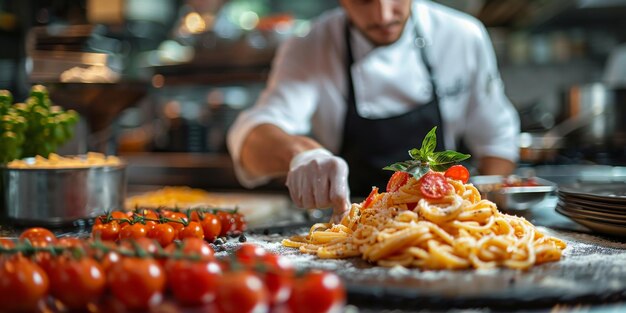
[[434, 221], [55, 161], [171, 197]]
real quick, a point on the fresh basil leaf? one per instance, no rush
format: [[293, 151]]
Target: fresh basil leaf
[[418, 170], [447, 157], [416, 154], [442, 167], [429, 144], [399, 166]]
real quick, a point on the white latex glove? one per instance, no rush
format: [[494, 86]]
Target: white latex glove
[[318, 179]]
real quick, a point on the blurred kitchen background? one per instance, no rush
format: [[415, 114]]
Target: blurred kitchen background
[[160, 81]]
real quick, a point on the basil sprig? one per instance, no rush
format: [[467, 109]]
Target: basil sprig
[[425, 158]]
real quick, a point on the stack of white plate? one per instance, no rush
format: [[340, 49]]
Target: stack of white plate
[[598, 206]]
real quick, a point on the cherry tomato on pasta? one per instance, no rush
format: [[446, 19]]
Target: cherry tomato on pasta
[[434, 185], [397, 180], [458, 172]]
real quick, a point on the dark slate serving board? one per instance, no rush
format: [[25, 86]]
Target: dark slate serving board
[[592, 270]]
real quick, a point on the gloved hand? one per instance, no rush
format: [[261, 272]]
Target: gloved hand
[[318, 179]]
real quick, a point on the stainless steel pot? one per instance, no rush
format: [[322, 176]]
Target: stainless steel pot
[[594, 116], [61, 196], [591, 117]]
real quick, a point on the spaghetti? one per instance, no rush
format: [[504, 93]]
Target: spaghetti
[[457, 231]]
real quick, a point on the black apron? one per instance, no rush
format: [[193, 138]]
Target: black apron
[[370, 144]]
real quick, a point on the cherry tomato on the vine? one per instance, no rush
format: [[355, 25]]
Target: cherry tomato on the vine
[[248, 254], [317, 292], [241, 292], [134, 231], [278, 277], [228, 222], [211, 226], [193, 282], [193, 229], [240, 222], [194, 247], [163, 233], [23, 284], [38, 237], [76, 282], [137, 283], [109, 231]]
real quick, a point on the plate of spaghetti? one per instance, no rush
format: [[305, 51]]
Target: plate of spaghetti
[[430, 217]]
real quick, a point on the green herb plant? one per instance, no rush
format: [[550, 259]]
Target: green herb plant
[[36, 127], [425, 158]]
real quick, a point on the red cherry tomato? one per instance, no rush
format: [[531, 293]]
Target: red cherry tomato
[[458, 172], [228, 222], [368, 201], [145, 244], [248, 254], [193, 283], [121, 217], [38, 237], [193, 229], [318, 292], [240, 222], [23, 284], [163, 233], [177, 217], [110, 258], [241, 292], [108, 232], [434, 185], [6, 243], [134, 231], [397, 180], [137, 283], [278, 277], [196, 215], [193, 247], [211, 226], [76, 283]]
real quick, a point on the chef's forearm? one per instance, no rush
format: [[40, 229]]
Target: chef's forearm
[[267, 150], [495, 166]]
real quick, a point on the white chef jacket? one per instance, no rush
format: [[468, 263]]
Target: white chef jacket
[[306, 91]]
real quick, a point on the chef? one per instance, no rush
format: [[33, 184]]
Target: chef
[[364, 86]]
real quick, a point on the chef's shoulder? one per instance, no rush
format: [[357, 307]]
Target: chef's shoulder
[[324, 38], [454, 25]]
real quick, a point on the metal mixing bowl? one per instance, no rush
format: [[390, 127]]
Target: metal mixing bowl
[[59, 196]]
